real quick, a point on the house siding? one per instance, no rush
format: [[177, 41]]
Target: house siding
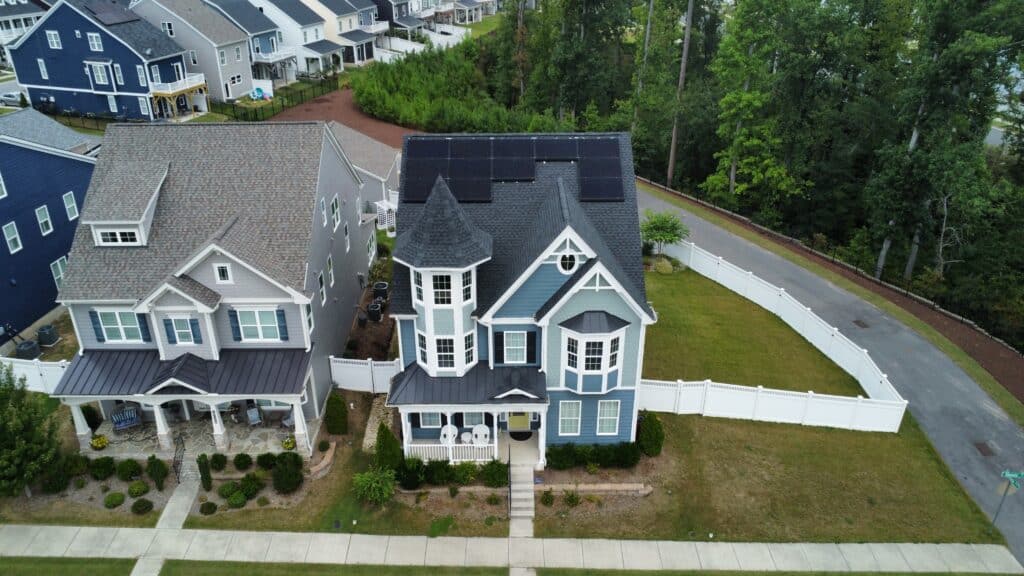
[[537, 290], [263, 41], [204, 350], [245, 282], [293, 319], [291, 31], [87, 337], [588, 417], [27, 277], [408, 341]]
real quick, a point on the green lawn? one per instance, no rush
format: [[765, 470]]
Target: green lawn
[[186, 568], [7, 110], [999, 394], [706, 331], [210, 117], [485, 26], [16, 566]]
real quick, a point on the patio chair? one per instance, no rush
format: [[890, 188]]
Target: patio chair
[[448, 434], [253, 414], [125, 418], [481, 435]]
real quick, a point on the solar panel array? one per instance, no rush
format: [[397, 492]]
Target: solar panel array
[[470, 164], [110, 13]]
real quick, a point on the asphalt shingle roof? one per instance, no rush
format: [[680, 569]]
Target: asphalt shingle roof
[[139, 34], [256, 202], [19, 9], [410, 22], [297, 11], [195, 290], [362, 4], [358, 36], [339, 7], [442, 237], [480, 385], [323, 47], [126, 189], [245, 15], [207, 20], [368, 154], [33, 126]]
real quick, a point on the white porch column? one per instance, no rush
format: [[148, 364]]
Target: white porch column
[[406, 432], [220, 439], [448, 422], [494, 422], [82, 429], [163, 432], [301, 434], [542, 440]]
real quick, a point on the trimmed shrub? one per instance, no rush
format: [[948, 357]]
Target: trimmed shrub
[[203, 461], [237, 500], [157, 471], [207, 508], [55, 478], [251, 485], [76, 464], [218, 461], [226, 489], [102, 468], [113, 500], [493, 499], [376, 485], [412, 474], [627, 454], [439, 472], [547, 498], [128, 470], [287, 474], [388, 450], [464, 473], [323, 446], [621, 455], [242, 462], [266, 460], [571, 498], [494, 474], [336, 415], [142, 506], [650, 435], [92, 416], [561, 456], [138, 488]]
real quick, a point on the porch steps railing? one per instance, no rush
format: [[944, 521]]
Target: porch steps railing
[[179, 454], [522, 491]]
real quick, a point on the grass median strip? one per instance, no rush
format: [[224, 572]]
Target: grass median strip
[[21, 566], [999, 394], [186, 568]]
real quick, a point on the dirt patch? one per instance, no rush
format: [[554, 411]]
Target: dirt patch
[[340, 106], [373, 339]]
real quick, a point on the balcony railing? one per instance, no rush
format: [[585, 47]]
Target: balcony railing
[[426, 13], [378, 27], [186, 83], [445, 7], [275, 56]]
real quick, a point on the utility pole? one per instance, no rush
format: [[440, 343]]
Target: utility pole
[[679, 94]]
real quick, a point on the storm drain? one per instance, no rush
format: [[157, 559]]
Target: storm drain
[[984, 449], [860, 323]]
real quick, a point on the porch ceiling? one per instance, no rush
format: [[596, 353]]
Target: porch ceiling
[[481, 385]]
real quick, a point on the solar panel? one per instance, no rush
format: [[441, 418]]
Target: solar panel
[[601, 189], [471, 148], [513, 169], [600, 168], [479, 168], [557, 148], [428, 147], [471, 189], [604, 147], [512, 148]]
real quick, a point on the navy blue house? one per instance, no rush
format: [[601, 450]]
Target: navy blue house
[[45, 169], [98, 57]]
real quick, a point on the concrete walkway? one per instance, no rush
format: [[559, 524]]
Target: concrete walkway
[[154, 545], [179, 504], [952, 409]]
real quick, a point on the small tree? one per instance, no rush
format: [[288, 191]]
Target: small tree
[[336, 416], [650, 435], [661, 228], [204, 471], [376, 485], [157, 471], [389, 451], [28, 441]]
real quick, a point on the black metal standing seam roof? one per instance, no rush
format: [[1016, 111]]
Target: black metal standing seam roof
[[297, 11], [481, 385], [594, 322], [362, 4], [322, 47], [339, 7], [238, 372]]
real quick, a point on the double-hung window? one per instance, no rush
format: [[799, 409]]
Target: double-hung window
[[323, 211], [470, 419], [120, 326], [182, 330], [421, 344], [607, 417], [572, 350], [43, 217], [613, 353], [99, 74], [321, 289], [445, 353], [12, 237], [95, 42], [330, 270], [417, 280], [140, 70], [515, 347], [53, 39], [222, 58], [335, 212], [309, 317], [42, 69], [467, 285], [593, 352], [57, 269], [348, 241], [118, 77], [222, 274], [442, 289], [258, 325], [192, 57], [470, 348], [238, 53], [155, 71], [168, 28], [430, 420], [569, 418], [71, 206]]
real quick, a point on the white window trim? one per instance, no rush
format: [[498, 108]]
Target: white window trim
[[348, 241], [438, 353], [308, 312], [168, 28], [259, 327], [61, 264], [597, 420], [193, 57], [53, 40], [216, 273], [323, 211], [222, 57], [99, 74], [580, 369], [3, 188], [97, 233], [434, 291], [330, 270], [46, 218], [465, 418], [505, 347], [335, 212], [417, 286], [578, 418], [118, 76], [120, 327], [423, 424], [177, 333], [141, 71], [469, 347], [16, 236], [471, 285], [238, 53], [42, 69], [422, 348], [321, 288], [90, 36]]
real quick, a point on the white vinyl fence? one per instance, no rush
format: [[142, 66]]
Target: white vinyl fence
[[39, 376], [364, 375], [881, 411]]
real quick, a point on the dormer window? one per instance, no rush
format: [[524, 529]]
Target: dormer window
[[118, 237], [223, 274]]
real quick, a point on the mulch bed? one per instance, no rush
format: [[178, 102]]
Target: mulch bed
[[374, 339], [340, 107]]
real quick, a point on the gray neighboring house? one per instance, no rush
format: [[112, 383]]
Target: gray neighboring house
[[209, 276], [379, 165], [304, 28], [213, 44], [271, 60]]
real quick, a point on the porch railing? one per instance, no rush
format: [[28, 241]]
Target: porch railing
[[189, 81], [452, 453], [282, 53], [377, 27]]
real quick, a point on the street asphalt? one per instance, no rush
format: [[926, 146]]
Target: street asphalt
[[953, 410]]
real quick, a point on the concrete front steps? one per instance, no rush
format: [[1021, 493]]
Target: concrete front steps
[[521, 516]]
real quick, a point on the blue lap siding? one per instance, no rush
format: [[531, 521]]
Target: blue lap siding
[[537, 290], [588, 417]]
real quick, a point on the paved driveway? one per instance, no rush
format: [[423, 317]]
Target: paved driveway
[[951, 408]]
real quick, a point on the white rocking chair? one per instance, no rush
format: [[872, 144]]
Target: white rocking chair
[[448, 434], [481, 435]]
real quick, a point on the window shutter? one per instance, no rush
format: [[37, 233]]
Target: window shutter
[[236, 332], [144, 328], [197, 336], [414, 420], [96, 327], [169, 329], [282, 326], [458, 420], [531, 347], [499, 347]]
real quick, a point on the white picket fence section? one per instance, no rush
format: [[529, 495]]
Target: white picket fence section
[[400, 44], [364, 375], [451, 452], [881, 411], [39, 376], [386, 56]]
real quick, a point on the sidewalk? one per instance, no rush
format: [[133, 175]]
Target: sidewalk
[[325, 548]]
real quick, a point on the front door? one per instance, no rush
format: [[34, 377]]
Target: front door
[[518, 421], [179, 72]]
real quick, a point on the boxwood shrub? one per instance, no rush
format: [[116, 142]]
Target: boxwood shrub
[[266, 460], [218, 461], [138, 488], [621, 455], [237, 500], [113, 499], [142, 506], [102, 468], [242, 462], [128, 470], [226, 489], [207, 508]]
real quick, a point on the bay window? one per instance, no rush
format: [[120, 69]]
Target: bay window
[[592, 355], [445, 353]]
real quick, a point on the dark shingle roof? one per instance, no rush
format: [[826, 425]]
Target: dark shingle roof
[[207, 20], [594, 322], [480, 385], [244, 14], [323, 47], [140, 35], [33, 126], [409, 22], [523, 218], [297, 11], [442, 237], [20, 9], [255, 202], [339, 7], [358, 36], [127, 372], [362, 4]]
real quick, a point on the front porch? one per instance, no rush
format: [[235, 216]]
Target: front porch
[[477, 436]]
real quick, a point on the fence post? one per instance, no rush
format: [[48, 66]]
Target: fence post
[[679, 396], [856, 410], [807, 406], [704, 399], [373, 385], [757, 401]]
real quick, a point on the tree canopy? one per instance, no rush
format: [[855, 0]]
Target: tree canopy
[[28, 442]]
